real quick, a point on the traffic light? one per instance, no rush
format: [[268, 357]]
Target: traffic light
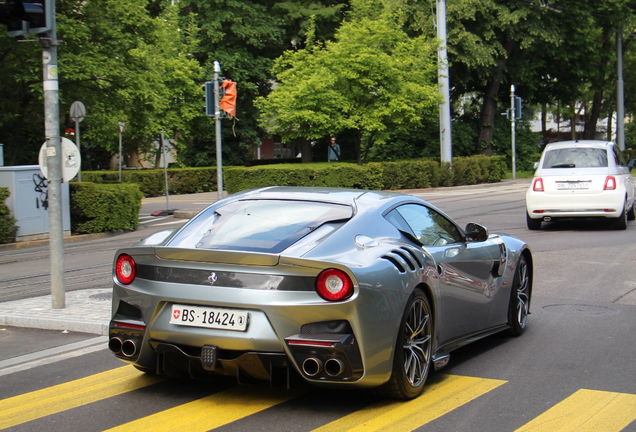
[[518, 106], [208, 89], [22, 17]]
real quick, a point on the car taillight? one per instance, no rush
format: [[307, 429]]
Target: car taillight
[[125, 269], [334, 285], [537, 186], [610, 183]]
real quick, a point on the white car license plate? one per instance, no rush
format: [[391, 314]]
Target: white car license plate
[[573, 185], [209, 317]]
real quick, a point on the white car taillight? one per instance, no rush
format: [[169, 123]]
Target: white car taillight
[[610, 183], [125, 269], [334, 285], [537, 185]]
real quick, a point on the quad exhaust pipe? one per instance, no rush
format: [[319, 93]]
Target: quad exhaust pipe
[[114, 344], [127, 348], [334, 367], [312, 366]]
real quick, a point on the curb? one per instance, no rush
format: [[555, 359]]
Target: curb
[[100, 328]]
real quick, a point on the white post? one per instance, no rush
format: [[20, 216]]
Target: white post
[[446, 149], [620, 108], [513, 123], [165, 168]]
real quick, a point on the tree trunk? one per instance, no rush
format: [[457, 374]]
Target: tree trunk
[[358, 143], [592, 120], [487, 121], [305, 148], [544, 116]]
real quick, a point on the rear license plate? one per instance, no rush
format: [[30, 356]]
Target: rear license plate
[[572, 185], [209, 317]]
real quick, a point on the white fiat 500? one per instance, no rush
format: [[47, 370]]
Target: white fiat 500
[[581, 179]]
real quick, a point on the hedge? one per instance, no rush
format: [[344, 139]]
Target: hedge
[[408, 174], [7, 222], [412, 174], [152, 182], [97, 208]]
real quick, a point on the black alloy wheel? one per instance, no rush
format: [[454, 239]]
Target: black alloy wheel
[[412, 358], [519, 307]]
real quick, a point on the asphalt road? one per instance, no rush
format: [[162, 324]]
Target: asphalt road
[[573, 366]]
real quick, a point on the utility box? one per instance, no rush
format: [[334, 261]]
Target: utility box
[[28, 202]]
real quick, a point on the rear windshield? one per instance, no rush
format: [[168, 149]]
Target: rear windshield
[[258, 225], [579, 157]]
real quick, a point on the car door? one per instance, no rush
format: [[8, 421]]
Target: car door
[[465, 270]]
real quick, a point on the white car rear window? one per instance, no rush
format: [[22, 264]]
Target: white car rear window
[[578, 157]]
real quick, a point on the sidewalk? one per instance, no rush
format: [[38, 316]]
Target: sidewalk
[[86, 311]]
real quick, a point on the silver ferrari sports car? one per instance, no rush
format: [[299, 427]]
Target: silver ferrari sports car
[[333, 287]]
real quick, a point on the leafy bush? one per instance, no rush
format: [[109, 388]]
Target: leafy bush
[[345, 175], [97, 208], [7, 227], [152, 181], [411, 174]]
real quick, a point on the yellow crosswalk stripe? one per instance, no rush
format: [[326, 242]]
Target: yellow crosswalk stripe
[[212, 411], [30, 406], [442, 394], [587, 410]]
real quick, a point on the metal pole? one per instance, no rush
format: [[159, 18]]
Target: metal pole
[[620, 102], [217, 118], [77, 142], [513, 123], [53, 162], [446, 149], [165, 168], [120, 134]]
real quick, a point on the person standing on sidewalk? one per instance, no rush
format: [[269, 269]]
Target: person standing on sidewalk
[[333, 150]]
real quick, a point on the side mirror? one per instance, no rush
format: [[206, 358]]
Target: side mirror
[[535, 165], [476, 232]]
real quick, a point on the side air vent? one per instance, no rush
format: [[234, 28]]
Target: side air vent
[[395, 262], [404, 259], [414, 256]]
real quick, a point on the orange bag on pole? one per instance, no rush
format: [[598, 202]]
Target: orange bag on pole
[[228, 102]]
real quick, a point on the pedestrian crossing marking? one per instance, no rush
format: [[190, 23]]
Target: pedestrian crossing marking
[[587, 410], [443, 393], [212, 411], [51, 400]]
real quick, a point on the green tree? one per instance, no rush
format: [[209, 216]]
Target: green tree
[[120, 62], [245, 36], [371, 78]]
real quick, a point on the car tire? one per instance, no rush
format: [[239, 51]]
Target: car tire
[[631, 214], [533, 224], [519, 306], [621, 222], [413, 350]]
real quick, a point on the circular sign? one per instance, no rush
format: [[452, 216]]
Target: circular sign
[[71, 159], [78, 111]]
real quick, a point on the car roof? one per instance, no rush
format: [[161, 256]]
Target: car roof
[[578, 143], [323, 194]]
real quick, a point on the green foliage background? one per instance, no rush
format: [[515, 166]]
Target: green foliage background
[[7, 222]]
